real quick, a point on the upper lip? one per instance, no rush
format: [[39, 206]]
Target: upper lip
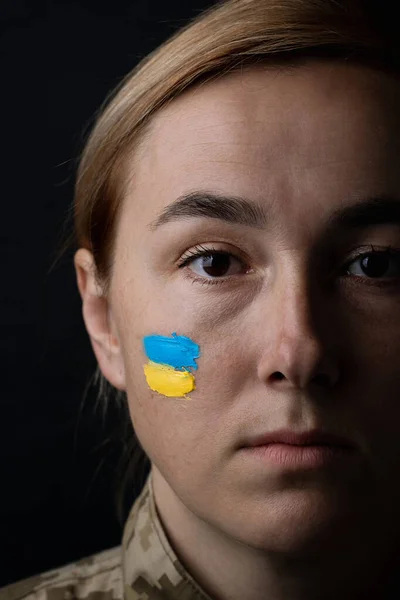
[[305, 438]]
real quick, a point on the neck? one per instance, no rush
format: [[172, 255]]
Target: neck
[[356, 567]]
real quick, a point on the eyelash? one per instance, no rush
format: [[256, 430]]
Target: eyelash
[[200, 251]]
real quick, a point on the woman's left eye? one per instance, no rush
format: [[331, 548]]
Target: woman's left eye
[[215, 264], [375, 265]]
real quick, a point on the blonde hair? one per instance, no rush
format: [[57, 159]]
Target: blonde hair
[[229, 36]]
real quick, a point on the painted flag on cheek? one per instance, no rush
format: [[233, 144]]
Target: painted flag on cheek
[[171, 360]]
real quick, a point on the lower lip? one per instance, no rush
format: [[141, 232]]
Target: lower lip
[[301, 457]]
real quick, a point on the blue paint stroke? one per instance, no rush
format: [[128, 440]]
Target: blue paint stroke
[[177, 351]]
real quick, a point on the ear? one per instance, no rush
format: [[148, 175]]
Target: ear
[[99, 321]]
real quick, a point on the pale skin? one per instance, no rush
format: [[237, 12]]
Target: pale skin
[[300, 144]]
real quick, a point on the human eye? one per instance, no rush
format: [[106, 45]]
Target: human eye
[[376, 267], [212, 265]]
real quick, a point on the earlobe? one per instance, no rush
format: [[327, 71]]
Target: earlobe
[[98, 321]]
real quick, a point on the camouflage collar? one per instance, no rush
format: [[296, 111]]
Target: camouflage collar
[[150, 566]]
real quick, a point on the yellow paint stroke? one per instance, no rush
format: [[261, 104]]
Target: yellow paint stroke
[[167, 381]]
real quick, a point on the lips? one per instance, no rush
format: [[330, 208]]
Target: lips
[[308, 438], [299, 451]]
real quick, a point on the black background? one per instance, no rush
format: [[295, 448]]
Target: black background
[[58, 63]]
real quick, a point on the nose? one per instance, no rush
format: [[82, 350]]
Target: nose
[[300, 343]]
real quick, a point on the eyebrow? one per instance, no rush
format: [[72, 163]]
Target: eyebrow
[[232, 209], [378, 210]]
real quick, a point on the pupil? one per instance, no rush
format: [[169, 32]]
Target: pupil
[[375, 265], [216, 264]]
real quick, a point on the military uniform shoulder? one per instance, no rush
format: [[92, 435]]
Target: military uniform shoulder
[[98, 577]]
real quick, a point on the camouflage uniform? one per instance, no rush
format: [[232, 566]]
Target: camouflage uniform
[[144, 567]]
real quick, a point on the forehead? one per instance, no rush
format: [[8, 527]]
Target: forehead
[[273, 133]]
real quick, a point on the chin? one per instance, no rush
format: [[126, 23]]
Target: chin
[[295, 523]]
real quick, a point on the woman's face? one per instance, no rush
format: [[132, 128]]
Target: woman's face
[[295, 332]]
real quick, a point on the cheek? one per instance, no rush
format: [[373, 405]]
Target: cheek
[[373, 346], [186, 430], [208, 324], [190, 426], [372, 394]]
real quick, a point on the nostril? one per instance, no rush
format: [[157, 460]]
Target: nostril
[[278, 376]]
